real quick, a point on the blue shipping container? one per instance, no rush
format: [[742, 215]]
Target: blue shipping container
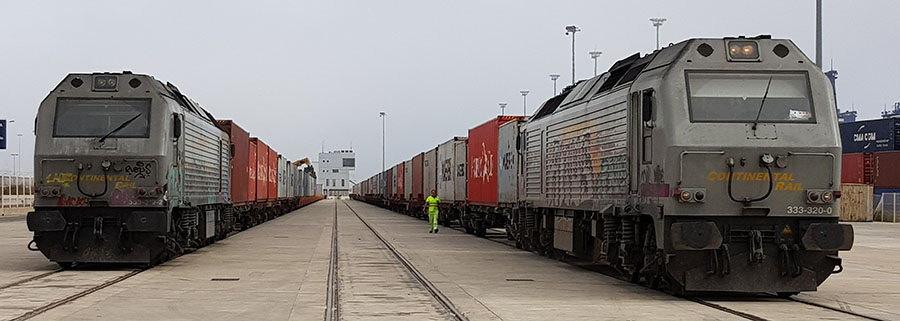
[[869, 136]]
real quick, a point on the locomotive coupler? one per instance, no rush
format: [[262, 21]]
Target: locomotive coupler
[[125, 243], [719, 261], [789, 262], [756, 247], [71, 228], [98, 227]]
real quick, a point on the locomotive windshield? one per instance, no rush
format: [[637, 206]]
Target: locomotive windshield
[[744, 97], [80, 117]]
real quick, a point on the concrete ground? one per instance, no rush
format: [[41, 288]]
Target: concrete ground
[[275, 271], [15, 211], [279, 271], [870, 282]]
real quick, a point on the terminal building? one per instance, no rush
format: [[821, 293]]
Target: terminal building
[[334, 168]]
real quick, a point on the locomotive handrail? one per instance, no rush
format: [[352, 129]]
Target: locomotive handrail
[[826, 154], [688, 152]]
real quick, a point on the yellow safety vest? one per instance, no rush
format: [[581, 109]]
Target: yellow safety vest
[[432, 203]]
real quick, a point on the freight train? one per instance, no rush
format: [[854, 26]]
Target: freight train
[[130, 170], [711, 165]]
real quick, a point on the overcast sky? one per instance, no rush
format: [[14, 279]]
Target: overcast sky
[[303, 74]]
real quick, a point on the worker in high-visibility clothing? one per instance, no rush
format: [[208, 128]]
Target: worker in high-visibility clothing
[[432, 202]]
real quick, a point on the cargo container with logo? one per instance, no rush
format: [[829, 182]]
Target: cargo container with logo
[[869, 136], [484, 175]]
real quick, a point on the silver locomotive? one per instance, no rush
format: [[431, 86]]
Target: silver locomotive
[[128, 170], [708, 165]]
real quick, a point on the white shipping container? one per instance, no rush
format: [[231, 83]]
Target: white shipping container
[[507, 178], [407, 179], [430, 168], [451, 176]]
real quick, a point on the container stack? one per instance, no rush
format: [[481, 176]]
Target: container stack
[[871, 151]]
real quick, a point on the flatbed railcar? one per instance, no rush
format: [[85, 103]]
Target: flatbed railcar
[[130, 170], [711, 165]]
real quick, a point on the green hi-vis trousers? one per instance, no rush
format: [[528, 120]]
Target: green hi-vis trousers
[[433, 219]]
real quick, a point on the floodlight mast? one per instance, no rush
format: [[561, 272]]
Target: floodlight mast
[[554, 77], [573, 29], [657, 22], [524, 101], [594, 55]]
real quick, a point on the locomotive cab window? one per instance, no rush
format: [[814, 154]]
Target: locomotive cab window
[[79, 117], [744, 97]]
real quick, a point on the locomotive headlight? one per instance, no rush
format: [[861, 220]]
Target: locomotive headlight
[[827, 197], [699, 195], [812, 196], [748, 50], [690, 195], [743, 50]]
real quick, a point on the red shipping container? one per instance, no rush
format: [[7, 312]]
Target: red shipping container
[[251, 168], [401, 179], [240, 160], [388, 183], [273, 174], [481, 185], [852, 168], [262, 170], [887, 170], [417, 177]]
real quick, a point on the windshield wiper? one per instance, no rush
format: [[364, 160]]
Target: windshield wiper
[[763, 103], [120, 127]]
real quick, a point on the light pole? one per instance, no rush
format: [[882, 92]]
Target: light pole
[[554, 77], [15, 178], [594, 55], [819, 34], [573, 29], [502, 107], [524, 101], [657, 22], [19, 159], [383, 181], [19, 166], [8, 132]]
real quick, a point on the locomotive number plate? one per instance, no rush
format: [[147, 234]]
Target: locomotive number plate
[[810, 210]]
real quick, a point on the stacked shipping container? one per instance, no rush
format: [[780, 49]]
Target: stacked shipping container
[[871, 153]]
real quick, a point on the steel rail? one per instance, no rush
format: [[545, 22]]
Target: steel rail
[[76, 296], [443, 300], [331, 301], [29, 279]]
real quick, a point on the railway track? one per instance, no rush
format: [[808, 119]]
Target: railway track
[[495, 235], [26, 291], [374, 270]]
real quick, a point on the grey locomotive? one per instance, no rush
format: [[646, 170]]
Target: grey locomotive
[[708, 165], [128, 170]]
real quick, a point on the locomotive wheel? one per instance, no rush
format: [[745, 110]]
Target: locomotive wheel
[[446, 223]]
